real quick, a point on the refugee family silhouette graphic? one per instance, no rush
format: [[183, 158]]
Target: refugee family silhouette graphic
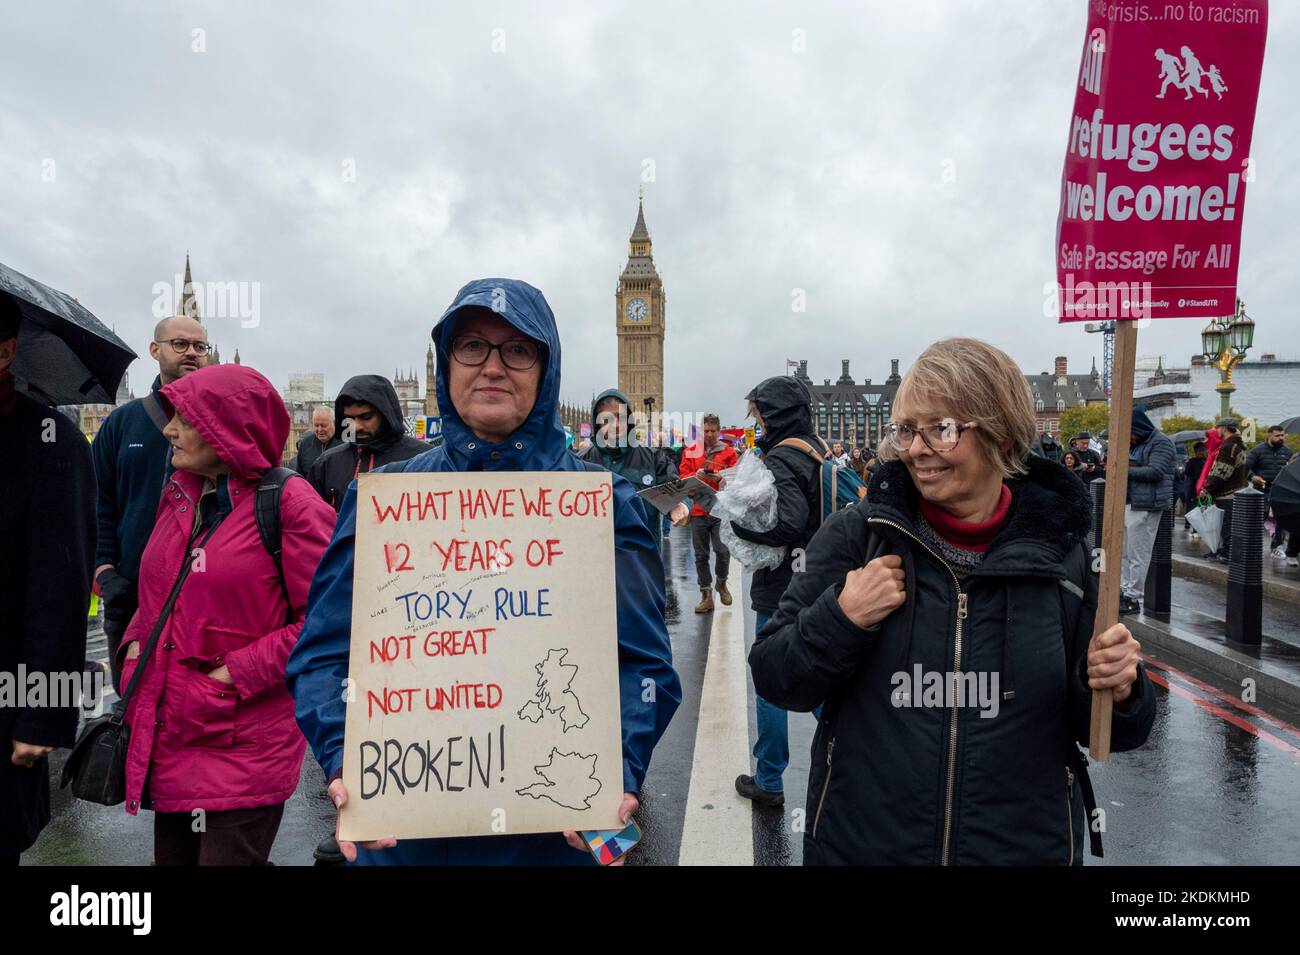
[[1187, 74]]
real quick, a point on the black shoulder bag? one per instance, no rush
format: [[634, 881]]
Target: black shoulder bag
[[96, 766]]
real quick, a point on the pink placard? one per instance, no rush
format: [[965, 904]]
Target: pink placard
[[1158, 159]]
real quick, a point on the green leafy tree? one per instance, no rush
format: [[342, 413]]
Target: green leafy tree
[[1083, 418], [1183, 422]]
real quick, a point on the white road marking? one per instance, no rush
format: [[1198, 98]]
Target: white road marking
[[721, 834]]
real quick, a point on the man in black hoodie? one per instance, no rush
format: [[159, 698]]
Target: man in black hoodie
[[368, 416], [782, 407]]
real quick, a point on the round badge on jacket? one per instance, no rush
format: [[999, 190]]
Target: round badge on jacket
[[646, 479]]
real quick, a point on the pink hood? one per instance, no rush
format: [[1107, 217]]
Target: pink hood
[[237, 411]]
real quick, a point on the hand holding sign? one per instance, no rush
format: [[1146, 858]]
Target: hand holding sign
[[626, 811], [1113, 657], [339, 796]]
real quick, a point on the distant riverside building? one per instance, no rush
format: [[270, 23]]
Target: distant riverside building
[[306, 387], [848, 411], [1053, 392], [306, 393], [1267, 389], [90, 417], [407, 386], [574, 416]]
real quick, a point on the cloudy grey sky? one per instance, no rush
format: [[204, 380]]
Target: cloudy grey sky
[[510, 139]]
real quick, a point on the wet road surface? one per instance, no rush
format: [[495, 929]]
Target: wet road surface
[[1215, 784]]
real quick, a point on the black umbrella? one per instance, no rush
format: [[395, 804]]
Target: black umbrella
[[1184, 436], [1284, 492], [66, 356], [1290, 425]]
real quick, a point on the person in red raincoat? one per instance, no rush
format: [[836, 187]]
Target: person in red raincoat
[[214, 749]]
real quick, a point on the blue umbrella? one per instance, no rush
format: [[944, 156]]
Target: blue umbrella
[[66, 356]]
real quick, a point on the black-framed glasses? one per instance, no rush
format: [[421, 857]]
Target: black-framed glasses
[[940, 437], [181, 345], [518, 354]]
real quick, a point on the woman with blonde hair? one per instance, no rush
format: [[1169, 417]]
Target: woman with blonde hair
[[945, 625]]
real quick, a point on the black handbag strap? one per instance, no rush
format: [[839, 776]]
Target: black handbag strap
[[119, 710]]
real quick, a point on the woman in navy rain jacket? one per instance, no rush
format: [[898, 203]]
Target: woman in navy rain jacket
[[499, 310]]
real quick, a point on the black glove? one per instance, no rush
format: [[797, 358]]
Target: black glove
[[119, 596]]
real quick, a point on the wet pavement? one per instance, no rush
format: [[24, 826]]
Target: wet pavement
[[1215, 784]]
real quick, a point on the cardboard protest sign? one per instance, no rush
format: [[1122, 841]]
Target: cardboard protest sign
[[1158, 159], [483, 693]]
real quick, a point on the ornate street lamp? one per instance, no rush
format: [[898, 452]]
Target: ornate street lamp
[[1224, 343], [1241, 330], [1212, 340]]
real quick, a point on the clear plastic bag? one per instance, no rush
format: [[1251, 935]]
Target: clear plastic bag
[[1208, 522], [748, 497]]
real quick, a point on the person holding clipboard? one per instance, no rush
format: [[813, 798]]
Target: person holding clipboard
[[706, 459]]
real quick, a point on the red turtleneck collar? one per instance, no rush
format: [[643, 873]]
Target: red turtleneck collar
[[963, 534]]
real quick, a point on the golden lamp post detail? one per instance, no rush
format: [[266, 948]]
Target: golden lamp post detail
[[1224, 343]]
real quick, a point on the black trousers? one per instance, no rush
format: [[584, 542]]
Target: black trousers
[[1291, 524], [1225, 548], [225, 837], [114, 631], [705, 532], [117, 617]]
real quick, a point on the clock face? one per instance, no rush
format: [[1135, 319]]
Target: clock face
[[637, 310]]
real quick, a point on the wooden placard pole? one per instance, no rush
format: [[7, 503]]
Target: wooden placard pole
[[1111, 540]]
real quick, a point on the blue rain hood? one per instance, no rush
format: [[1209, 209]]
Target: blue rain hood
[[539, 443]]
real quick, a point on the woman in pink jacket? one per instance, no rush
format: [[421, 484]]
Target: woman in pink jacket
[[214, 748]]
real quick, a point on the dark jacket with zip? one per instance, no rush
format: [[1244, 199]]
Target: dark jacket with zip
[[1267, 461], [132, 461], [310, 448], [335, 469], [896, 784], [784, 404]]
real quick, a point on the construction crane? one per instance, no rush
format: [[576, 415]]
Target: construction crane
[[1107, 331]]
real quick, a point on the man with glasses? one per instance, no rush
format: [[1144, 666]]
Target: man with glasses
[[368, 418], [132, 459]]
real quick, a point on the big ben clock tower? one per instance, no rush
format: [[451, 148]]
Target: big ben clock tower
[[639, 318]]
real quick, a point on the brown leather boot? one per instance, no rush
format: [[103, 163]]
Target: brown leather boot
[[724, 594], [706, 602]]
